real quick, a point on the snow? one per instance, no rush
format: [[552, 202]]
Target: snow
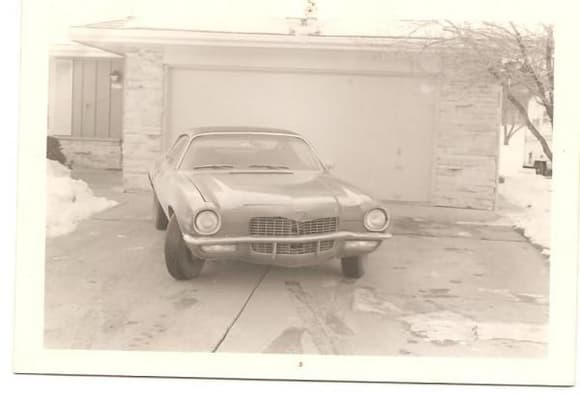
[[68, 200], [528, 194], [511, 157], [445, 326], [366, 300]]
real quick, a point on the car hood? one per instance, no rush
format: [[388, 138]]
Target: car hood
[[231, 190]]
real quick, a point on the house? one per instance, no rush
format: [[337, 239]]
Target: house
[[519, 148], [402, 122], [85, 105], [534, 156]]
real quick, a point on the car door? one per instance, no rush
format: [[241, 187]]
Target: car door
[[162, 173]]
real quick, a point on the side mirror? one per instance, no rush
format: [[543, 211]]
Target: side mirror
[[329, 165]]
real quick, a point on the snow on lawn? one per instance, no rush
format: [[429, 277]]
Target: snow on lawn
[[68, 200], [530, 193], [527, 192], [444, 326]]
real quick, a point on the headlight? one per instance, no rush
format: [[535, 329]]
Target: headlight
[[376, 220], [206, 222]]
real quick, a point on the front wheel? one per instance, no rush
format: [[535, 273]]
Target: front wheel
[[354, 267], [181, 264]]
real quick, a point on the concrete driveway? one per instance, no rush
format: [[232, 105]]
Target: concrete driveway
[[449, 283]]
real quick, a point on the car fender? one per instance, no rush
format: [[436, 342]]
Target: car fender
[[184, 200]]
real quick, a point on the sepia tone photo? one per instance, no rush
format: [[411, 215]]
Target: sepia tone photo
[[297, 184]]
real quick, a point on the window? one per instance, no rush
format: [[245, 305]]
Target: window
[[250, 151]]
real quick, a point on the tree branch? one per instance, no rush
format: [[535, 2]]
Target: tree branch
[[549, 61], [524, 113], [542, 92]]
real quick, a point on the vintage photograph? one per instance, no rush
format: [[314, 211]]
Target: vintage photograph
[[295, 183]]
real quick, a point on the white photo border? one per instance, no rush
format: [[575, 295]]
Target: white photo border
[[557, 368]]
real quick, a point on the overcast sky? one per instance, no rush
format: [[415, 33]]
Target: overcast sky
[[64, 13]]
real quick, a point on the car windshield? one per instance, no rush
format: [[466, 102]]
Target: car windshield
[[223, 151]]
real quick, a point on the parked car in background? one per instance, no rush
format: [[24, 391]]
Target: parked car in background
[[534, 156], [262, 196]]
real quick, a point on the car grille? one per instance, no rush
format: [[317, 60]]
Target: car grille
[[283, 227]]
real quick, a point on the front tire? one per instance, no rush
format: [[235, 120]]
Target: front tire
[[181, 264], [159, 217], [353, 267]]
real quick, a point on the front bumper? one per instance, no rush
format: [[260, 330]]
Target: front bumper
[[345, 245]]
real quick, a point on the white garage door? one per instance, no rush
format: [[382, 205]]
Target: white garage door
[[377, 130]]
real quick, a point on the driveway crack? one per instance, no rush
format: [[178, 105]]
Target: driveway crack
[[224, 336]]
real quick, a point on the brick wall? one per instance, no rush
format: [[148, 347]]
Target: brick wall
[[143, 116], [91, 153], [466, 150]]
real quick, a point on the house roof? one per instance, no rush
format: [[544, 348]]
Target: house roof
[[120, 36], [125, 34], [277, 26]]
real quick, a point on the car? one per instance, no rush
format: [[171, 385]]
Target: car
[[263, 196]]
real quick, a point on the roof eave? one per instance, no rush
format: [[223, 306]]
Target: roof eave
[[78, 50], [120, 40]]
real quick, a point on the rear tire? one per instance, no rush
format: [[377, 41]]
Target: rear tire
[[354, 267], [159, 217], [181, 264]]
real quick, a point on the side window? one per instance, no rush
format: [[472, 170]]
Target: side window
[[175, 151]]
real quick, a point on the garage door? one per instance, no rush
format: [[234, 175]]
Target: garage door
[[377, 130]]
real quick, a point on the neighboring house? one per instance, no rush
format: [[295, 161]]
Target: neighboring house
[[404, 123], [85, 105], [534, 156]]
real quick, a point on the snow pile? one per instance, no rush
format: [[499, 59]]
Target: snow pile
[[530, 193], [68, 200]]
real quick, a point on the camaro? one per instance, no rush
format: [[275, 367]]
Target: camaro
[[262, 196]]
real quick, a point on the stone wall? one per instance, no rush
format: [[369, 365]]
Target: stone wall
[[466, 151], [143, 116], [91, 153]]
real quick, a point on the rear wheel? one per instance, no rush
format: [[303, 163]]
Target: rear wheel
[[159, 217], [181, 264], [354, 267]]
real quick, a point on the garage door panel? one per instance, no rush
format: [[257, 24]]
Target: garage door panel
[[376, 129]]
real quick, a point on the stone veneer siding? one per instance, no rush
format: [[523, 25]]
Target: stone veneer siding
[[466, 140], [466, 143], [91, 153], [142, 117]]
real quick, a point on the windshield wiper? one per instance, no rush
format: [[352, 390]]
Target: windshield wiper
[[214, 166], [266, 166]]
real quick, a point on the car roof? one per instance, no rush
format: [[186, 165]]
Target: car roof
[[237, 129]]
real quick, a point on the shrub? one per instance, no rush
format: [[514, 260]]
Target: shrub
[[54, 150]]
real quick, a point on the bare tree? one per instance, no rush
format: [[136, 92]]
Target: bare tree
[[518, 58], [511, 122]]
